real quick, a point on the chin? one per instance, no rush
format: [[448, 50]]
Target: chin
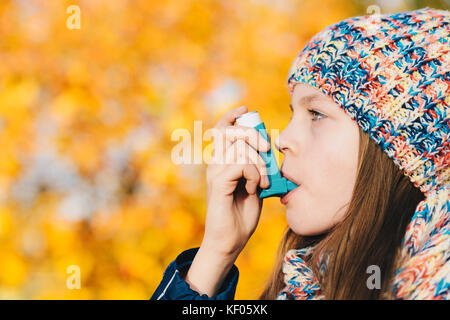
[[295, 222], [302, 227]]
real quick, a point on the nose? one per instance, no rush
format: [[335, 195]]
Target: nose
[[281, 142]]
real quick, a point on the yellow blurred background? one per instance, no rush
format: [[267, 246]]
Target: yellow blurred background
[[86, 118]]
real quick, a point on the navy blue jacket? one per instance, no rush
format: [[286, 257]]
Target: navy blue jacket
[[174, 287]]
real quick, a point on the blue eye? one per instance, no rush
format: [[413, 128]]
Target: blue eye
[[314, 112]]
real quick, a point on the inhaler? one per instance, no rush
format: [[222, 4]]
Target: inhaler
[[279, 185]]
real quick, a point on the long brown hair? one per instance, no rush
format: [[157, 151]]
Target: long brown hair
[[382, 204]]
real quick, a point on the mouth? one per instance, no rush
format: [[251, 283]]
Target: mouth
[[288, 195], [287, 176], [284, 200]]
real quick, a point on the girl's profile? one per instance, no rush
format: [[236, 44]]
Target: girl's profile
[[368, 145]]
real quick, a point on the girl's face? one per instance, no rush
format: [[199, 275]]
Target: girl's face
[[320, 148]]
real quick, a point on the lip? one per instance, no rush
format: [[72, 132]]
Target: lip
[[287, 176], [284, 200], [288, 195]]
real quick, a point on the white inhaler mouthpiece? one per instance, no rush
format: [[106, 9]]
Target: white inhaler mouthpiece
[[250, 119]]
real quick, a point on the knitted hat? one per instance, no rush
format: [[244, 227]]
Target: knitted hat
[[391, 75]]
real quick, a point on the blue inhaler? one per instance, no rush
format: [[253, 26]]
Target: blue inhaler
[[279, 185]]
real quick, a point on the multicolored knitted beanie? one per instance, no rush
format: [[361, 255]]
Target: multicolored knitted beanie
[[391, 75]]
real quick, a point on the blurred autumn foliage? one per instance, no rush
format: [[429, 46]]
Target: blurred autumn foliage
[[86, 117]]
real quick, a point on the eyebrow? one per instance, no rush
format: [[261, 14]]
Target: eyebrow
[[307, 100]]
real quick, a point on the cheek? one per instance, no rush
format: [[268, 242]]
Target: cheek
[[322, 169], [333, 163]]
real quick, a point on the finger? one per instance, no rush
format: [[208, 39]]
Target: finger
[[249, 135], [230, 116], [241, 153], [225, 137], [250, 173]]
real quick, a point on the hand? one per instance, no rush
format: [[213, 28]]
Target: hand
[[233, 176]]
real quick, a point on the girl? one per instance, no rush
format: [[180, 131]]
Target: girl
[[368, 146]]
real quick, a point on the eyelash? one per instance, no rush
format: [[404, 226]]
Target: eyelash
[[314, 112]]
